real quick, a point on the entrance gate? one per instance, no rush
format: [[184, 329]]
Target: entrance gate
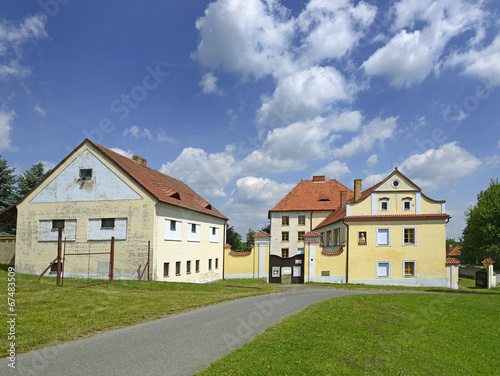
[[295, 263]]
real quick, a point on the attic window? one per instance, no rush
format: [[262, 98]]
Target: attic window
[[209, 207], [395, 183], [324, 198], [85, 174], [176, 195]]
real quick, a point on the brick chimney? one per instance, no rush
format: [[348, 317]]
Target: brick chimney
[[357, 189], [343, 198], [319, 178], [140, 160]]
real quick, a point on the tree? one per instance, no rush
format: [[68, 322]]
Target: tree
[[233, 238], [481, 236], [7, 194], [29, 179], [266, 228], [250, 239], [451, 242], [7, 184]]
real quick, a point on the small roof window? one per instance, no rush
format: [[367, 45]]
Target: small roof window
[[85, 174]]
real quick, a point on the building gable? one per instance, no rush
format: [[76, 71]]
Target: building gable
[[86, 178]]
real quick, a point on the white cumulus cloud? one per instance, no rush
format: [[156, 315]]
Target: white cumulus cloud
[[6, 119], [208, 84]]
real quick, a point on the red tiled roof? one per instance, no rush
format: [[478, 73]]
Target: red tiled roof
[[332, 218], [311, 234], [396, 217], [454, 251], [234, 253], [262, 235], [310, 195], [164, 188], [489, 260], [8, 238], [451, 261], [228, 245], [332, 253]]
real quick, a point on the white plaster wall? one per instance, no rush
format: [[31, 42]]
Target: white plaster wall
[[213, 238], [411, 281], [105, 185], [98, 233], [193, 236], [47, 234]]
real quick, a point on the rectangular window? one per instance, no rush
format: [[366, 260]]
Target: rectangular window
[[336, 236], [85, 174], [407, 205], [362, 238], [285, 236], [383, 269], [166, 269], [410, 268], [108, 223], [383, 236], [178, 268], [57, 223], [193, 228], [285, 252], [172, 225], [384, 205], [302, 220], [214, 231], [188, 267], [285, 220], [216, 263], [328, 238], [197, 266], [301, 236], [409, 236], [209, 264]]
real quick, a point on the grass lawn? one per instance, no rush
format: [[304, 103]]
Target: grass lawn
[[48, 315], [400, 334]]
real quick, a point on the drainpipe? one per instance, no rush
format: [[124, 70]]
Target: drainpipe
[[346, 254], [224, 250]]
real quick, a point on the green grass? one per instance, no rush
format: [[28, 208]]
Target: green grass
[[396, 334], [48, 315]]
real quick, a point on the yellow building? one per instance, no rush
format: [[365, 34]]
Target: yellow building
[[393, 234], [95, 194]]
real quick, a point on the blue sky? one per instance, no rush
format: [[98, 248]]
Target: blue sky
[[241, 99]]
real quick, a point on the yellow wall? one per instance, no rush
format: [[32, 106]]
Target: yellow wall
[[428, 252], [246, 266], [173, 251], [7, 250]]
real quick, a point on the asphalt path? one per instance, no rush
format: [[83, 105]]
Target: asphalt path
[[182, 344]]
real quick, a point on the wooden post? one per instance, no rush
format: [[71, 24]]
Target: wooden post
[[149, 257], [111, 260], [59, 258]]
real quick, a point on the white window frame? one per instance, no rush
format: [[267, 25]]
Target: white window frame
[[193, 236], [389, 269], [415, 236], [415, 268], [408, 200], [384, 201], [388, 235], [173, 234]]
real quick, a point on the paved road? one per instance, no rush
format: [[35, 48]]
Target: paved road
[[177, 345]]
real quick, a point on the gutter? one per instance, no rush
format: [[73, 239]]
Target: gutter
[[346, 254]]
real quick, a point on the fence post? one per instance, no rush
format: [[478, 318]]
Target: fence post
[[59, 258], [149, 257], [112, 260]]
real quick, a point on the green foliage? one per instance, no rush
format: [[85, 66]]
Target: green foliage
[[376, 334], [266, 228], [452, 242], [250, 239], [7, 184], [234, 239], [29, 179], [48, 314], [481, 236]]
